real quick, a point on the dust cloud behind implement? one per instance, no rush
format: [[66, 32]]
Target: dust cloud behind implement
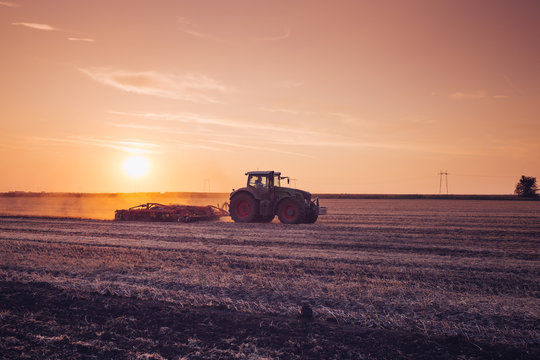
[[95, 206]]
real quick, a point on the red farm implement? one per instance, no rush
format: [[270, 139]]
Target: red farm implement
[[160, 212]]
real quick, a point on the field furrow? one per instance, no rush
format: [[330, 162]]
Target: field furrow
[[438, 273]]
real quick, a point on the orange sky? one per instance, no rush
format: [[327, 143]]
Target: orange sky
[[344, 96]]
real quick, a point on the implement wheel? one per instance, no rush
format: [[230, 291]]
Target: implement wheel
[[291, 211], [243, 208]]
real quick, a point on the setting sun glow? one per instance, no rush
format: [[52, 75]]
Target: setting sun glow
[[136, 166], [395, 92]]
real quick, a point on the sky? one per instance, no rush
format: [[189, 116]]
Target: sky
[[342, 96]]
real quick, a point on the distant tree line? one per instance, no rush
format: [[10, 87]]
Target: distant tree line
[[526, 187]]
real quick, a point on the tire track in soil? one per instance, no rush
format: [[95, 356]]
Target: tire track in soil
[[365, 247]]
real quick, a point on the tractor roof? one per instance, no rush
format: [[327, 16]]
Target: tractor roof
[[263, 173]]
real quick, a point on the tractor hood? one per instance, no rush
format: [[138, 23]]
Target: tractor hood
[[306, 195]]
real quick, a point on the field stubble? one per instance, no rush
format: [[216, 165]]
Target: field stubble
[[438, 268]]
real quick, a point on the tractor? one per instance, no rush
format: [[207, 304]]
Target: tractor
[[263, 198]]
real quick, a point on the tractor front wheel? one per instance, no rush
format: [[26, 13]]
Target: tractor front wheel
[[291, 211], [243, 208], [312, 214]]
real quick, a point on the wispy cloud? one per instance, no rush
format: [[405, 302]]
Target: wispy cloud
[[195, 33], [178, 117], [342, 143], [285, 34], [513, 86], [127, 145], [254, 147], [193, 118], [276, 137], [191, 28], [36, 26], [14, 144], [468, 95], [282, 110], [475, 95], [291, 83], [81, 39], [46, 27], [9, 4], [189, 87], [348, 119], [167, 130], [141, 127], [256, 136]]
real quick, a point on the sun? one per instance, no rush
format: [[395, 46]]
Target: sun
[[136, 166]]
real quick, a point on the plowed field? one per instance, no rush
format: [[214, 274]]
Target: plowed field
[[384, 278]]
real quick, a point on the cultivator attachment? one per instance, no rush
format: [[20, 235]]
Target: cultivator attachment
[[179, 213]]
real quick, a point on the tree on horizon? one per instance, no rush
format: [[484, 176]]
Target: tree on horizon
[[526, 187]]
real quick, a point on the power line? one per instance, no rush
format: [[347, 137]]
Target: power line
[[487, 176]]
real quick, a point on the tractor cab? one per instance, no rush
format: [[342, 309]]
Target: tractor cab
[[261, 183], [264, 180], [264, 183]]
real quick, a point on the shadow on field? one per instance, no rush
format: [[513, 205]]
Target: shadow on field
[[40, 321]]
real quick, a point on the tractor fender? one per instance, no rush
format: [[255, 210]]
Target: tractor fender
[[242, 190]]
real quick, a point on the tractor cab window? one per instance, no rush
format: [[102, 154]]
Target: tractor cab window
[[258, 181], [276, 181]]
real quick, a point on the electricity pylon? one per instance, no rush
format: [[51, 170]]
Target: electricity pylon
[[441, 174], [206, 185]]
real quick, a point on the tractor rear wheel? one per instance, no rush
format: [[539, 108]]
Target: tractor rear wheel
[[243, 208], [291, 211]]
